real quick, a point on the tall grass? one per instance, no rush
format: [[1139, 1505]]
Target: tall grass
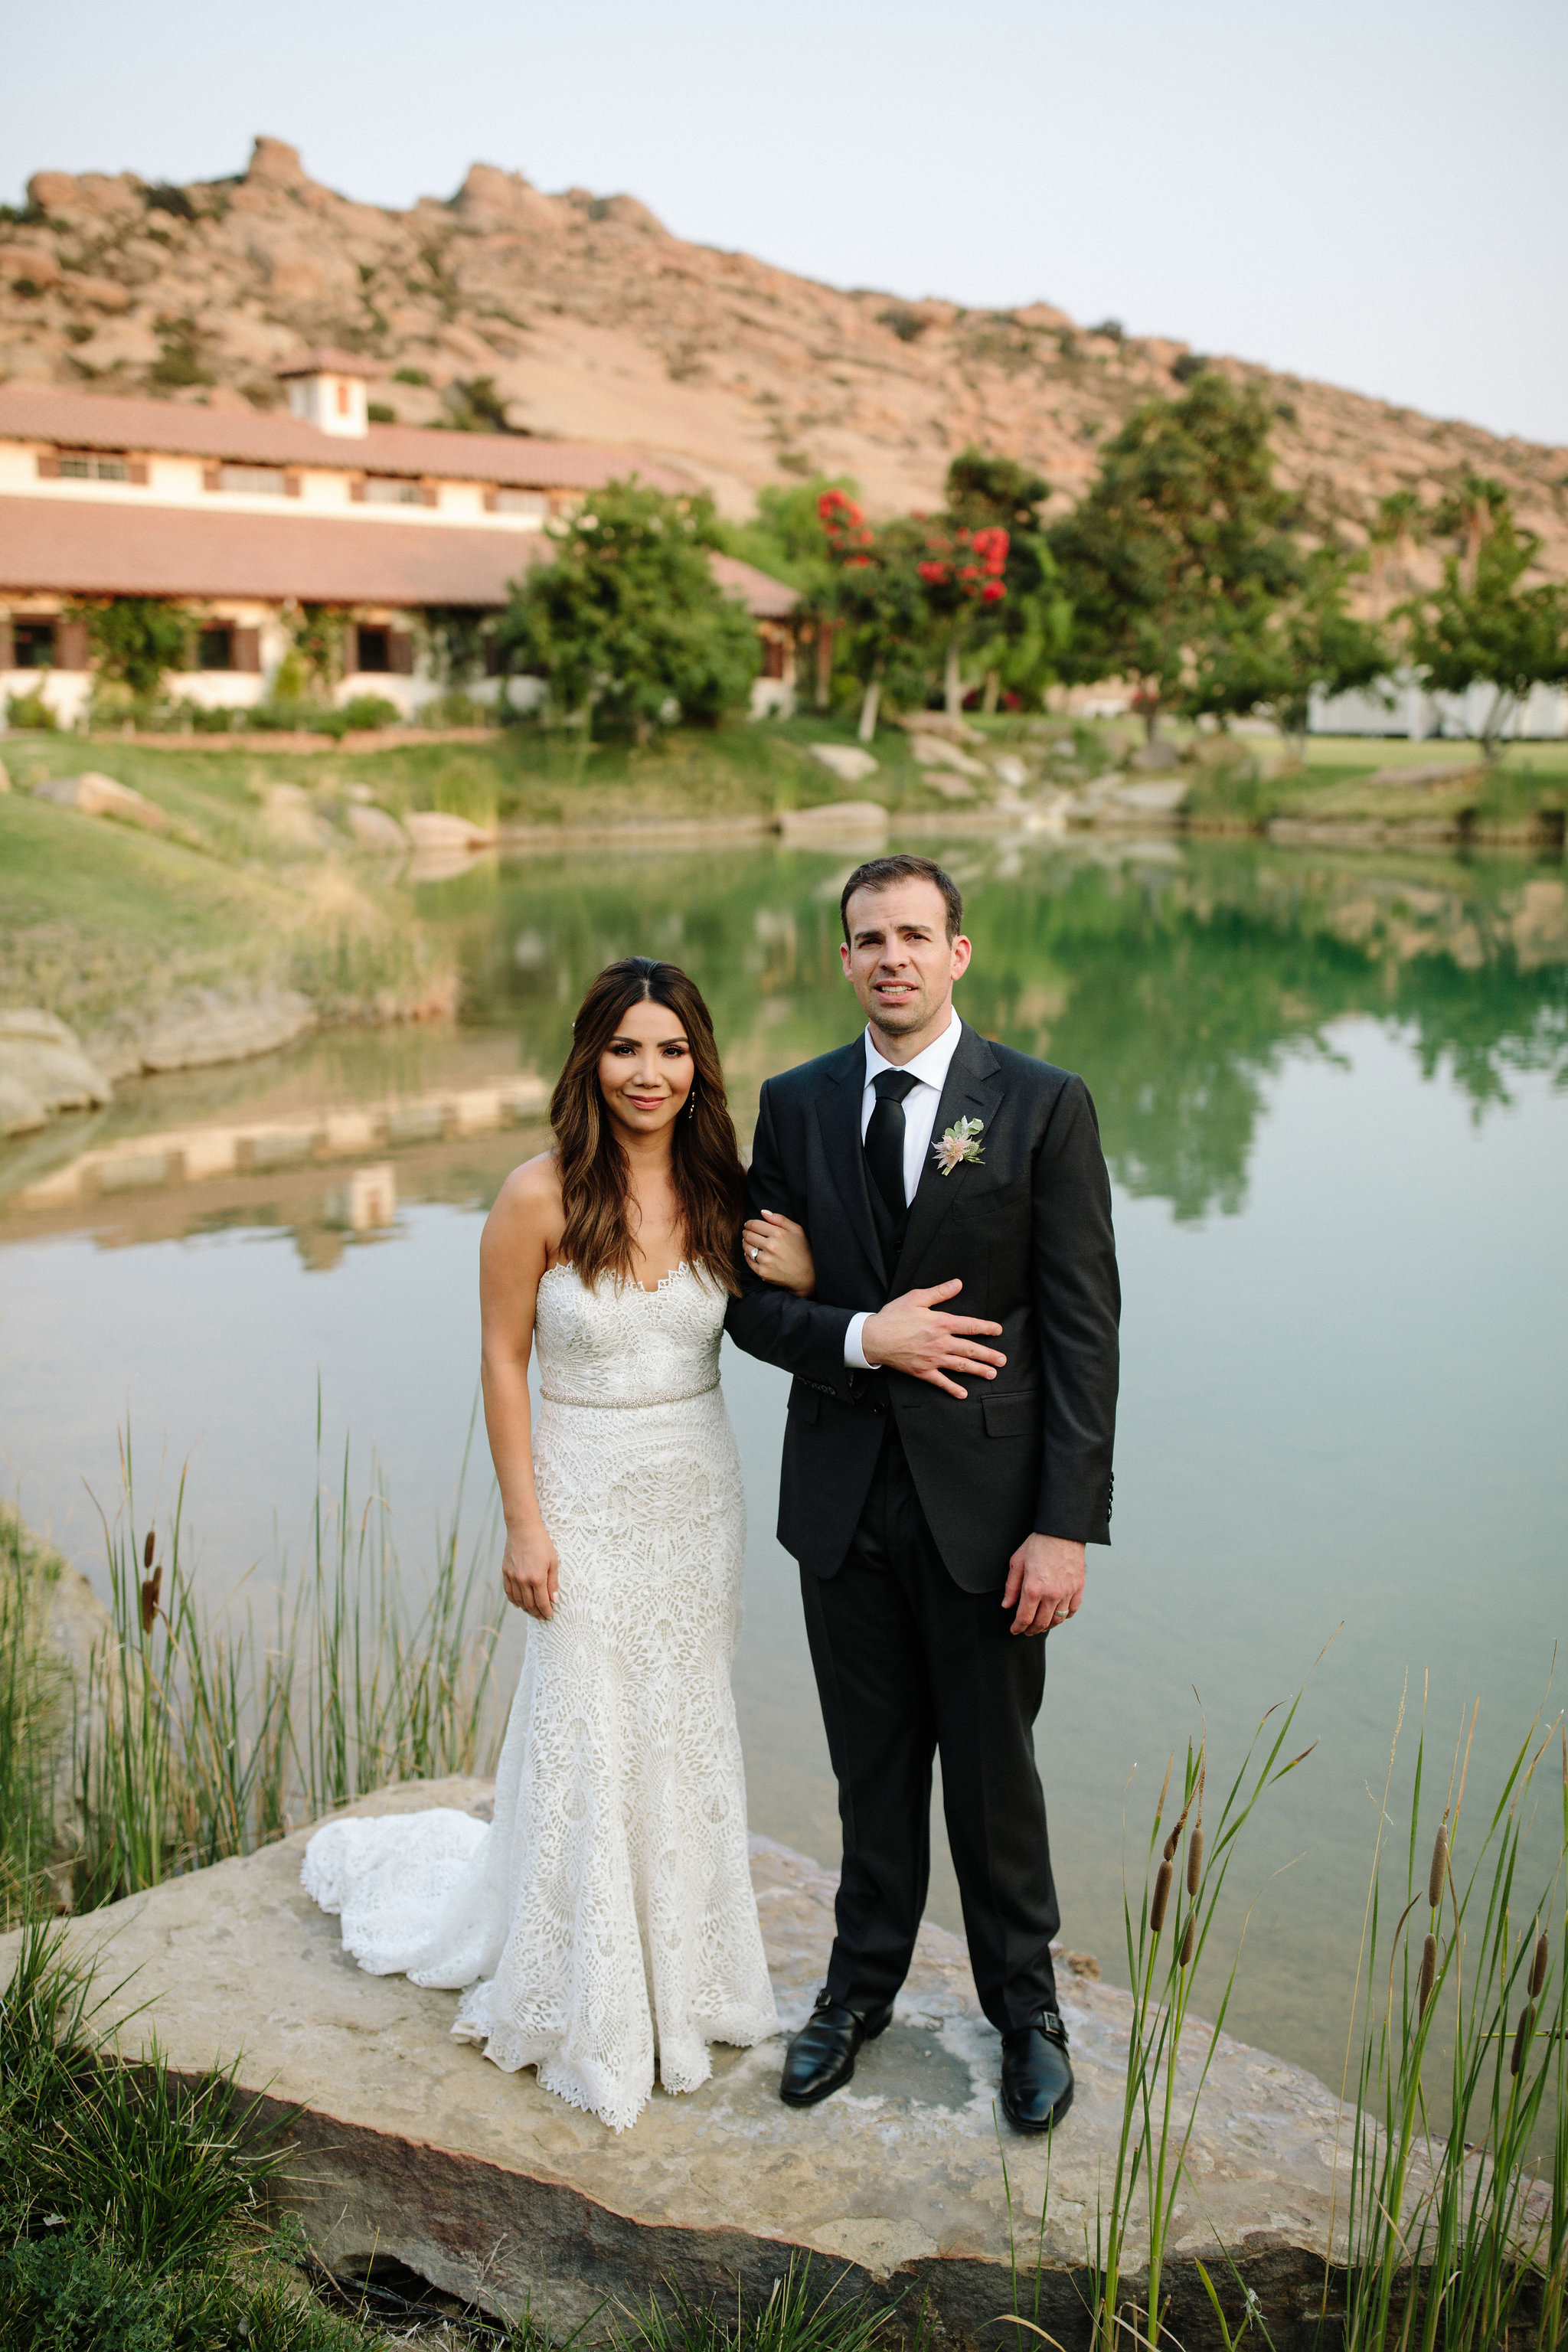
[[214, 1735], [1165, 1944], [1457, 2222], [34, 1708]]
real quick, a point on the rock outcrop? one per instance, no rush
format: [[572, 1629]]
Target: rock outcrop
[[97, 795], [412, 2144], [43, 1070], [588, 320]]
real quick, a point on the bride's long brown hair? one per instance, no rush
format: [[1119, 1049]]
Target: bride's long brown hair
[[704, 1163]]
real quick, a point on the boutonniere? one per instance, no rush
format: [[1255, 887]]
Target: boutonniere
[[958, 1145]]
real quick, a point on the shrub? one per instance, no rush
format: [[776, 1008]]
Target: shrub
[[364, 710], [380, 411], [28, 710]]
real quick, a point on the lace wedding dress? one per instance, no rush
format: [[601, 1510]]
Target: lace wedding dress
[[608, 1906]]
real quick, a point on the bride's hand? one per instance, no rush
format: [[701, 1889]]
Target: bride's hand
[[776, 1248], [531, 1573]]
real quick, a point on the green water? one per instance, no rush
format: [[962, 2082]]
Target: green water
[[1333, 1093]]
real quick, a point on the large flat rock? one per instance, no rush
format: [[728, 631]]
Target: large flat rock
[[413, 2145]]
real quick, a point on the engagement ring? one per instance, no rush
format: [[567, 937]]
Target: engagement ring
[[756, 1255]]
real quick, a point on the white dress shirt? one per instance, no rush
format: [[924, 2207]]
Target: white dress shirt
[[929, 1069]]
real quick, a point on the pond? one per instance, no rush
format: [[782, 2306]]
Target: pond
[[1333, 1091]]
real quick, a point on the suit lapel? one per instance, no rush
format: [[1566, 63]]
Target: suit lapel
[[974, 1091], [838, 1118]]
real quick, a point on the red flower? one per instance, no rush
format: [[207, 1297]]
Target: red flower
[[992, 592]]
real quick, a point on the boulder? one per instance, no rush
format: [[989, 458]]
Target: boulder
[[43, 1069], [937, 723], [941, 752], [836, 820], [97, 795], [407, 2143], [843, 761], [193, 1032], [373, 828], [1152, 798], [433, 829]]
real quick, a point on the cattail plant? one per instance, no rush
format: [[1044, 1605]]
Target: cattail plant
[[1152, 2148], [1445, 2235], [204, 1737]]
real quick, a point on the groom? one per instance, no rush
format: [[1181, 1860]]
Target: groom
[[947, 1456]]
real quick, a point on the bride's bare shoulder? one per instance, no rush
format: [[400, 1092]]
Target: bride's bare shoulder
[[529, 1204]]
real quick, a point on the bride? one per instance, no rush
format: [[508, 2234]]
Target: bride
[[609, 1907]]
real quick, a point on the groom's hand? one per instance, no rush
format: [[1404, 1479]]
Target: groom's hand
[[911, 1335], [1044, 1580]]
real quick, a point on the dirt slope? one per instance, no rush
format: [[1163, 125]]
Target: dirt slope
[[594, 322]]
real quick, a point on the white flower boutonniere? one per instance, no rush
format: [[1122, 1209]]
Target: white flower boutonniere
[[958, 1145]]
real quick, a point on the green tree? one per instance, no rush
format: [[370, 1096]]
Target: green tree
[[1183, 537], [628, 618], [137, 638], [879, 604], [1483, 626], [1024, 636], [786, 538], [1274, 655]]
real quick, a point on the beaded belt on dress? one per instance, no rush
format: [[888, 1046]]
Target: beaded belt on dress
[[627, 1404]]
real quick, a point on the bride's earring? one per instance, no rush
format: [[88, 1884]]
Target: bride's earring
[[692, 1101]]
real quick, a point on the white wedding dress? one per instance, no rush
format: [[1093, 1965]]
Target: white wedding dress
[[609, 1907]]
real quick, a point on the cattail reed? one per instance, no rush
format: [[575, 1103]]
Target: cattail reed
[[1162, 1896], [1172, 1841], [1521, 2037], [1195, 1860], [1189, 1941], [1434, 1884], [150, 1596], [147, 1552], [1428, 1973], [1538, 1969]]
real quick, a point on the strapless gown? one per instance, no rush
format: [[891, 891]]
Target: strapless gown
[[609, 1907]]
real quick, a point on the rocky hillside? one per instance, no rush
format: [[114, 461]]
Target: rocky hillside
[[582, 316]]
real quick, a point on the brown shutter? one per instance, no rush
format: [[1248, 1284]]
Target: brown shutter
[[212, 478], [292, 485], [138, 473], [49, 465], [246, 652], [356, 490], [7, 645], [70, 644], [491, 502], [429, 496], [351, 650], [400, 653]]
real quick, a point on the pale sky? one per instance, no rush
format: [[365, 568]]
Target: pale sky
[[1374, 192]]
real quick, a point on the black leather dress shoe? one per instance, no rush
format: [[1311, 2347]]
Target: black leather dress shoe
[[1037, 2076], [821, 2058]]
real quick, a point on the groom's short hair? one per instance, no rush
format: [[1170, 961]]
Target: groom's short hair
[[882, 873]]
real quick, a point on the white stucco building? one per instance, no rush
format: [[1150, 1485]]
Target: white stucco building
[[241, 517]]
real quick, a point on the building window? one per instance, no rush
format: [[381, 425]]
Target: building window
[[32, 644], [215, 648], [391, 490], [81, 466], [264, 482], [374, 649], [531, 506]]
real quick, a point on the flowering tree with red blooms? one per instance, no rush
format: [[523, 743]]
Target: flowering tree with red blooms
[[878, 600], [962, 574]]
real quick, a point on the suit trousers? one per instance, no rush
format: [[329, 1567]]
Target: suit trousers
[[910, 1665]]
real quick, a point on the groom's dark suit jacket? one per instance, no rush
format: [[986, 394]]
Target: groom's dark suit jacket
[[1028, 1230]]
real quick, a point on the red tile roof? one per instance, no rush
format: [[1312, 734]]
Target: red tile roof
[[91, 548], [768, 598], [85, 420], [120, 548]]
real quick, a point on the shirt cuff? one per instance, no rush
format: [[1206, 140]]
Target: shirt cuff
[[854, 1353]]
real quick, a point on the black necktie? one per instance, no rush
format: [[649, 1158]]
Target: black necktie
[[885, 1137]]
